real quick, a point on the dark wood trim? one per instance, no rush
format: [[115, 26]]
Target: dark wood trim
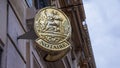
[[69, 6], [1, 44], [20, 22], [16, 48], [27, 3], [28, 55], [1, 50], [35, 59], [67, 63]]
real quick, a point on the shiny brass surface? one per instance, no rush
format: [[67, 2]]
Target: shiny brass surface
[[53, 29]]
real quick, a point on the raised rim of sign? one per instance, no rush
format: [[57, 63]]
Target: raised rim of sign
[[68, 35]]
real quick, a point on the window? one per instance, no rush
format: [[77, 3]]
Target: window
[[41, 3], [38, 3], [29, 2]]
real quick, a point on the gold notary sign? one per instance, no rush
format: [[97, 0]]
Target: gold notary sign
[[53, 29]]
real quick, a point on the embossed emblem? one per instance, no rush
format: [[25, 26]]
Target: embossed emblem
[[53, 29]]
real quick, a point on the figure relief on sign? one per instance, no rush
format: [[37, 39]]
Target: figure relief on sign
[[53, 27]]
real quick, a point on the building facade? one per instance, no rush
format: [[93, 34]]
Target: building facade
[[15, 18]]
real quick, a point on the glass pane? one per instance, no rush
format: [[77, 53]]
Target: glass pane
[[29, 3]]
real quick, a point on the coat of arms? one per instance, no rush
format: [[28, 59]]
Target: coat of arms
[[53, 29]]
